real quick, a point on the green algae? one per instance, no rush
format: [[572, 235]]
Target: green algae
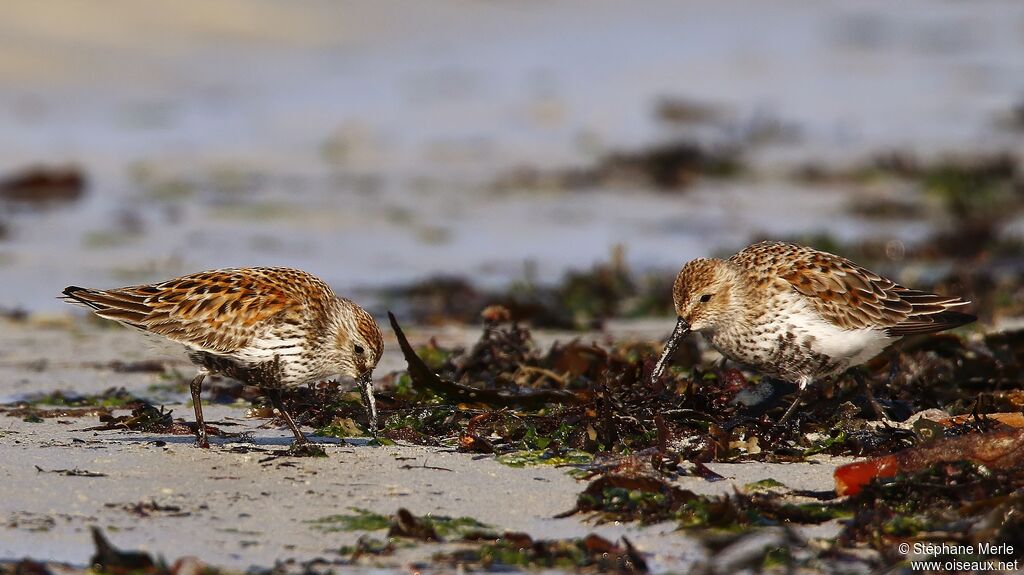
[[359, 520], [764, 485], [529, 457], [458, 527], [520, 551], [112, 397], [365, 520]]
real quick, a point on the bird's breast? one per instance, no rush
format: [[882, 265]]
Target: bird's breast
[[789, 339]]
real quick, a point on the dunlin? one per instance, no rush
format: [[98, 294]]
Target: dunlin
[[271, 327], [799, 314]]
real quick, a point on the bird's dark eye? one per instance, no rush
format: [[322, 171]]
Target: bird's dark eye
[[359, 349], [705, 298]]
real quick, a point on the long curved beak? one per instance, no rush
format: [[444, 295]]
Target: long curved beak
[[365, 382], [682, 328]]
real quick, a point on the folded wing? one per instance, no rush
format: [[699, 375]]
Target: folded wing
[[218, 311], [855, 298]]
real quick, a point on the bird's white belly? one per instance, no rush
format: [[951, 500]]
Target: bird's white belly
[[854, 346]]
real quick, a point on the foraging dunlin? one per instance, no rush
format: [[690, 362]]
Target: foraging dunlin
[[799, 314], [272, 327]]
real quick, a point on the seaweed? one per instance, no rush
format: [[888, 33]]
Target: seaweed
[[648, 498], [997, 450], [112, 397], [75, 405], [112, 561], [673, 165], [480, 545], [630, 436], [145, 417], [26, 567], [358, 520], [577, 400], [72, 472], [592, 553], [581, 300], [951, 501], [44, 186], [453, 391]]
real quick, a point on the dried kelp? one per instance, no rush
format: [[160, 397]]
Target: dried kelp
[[996, 450], [452, 391]]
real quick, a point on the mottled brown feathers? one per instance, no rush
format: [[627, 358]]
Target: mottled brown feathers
[[799, 314], [848, 295], [370, 333], [219, 310], [699, 272]]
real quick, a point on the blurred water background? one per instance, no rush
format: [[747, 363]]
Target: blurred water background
[[380, 143]]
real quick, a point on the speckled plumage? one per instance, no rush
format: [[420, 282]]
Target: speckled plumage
[[238, 321], [800, 314]]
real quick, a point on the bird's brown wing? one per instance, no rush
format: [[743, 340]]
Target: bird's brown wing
[[850, 296], [218, 311]]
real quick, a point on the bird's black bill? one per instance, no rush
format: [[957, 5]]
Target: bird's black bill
[[365, 383], [682, 328]]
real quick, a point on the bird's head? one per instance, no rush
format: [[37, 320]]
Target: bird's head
[[358, 346], [706, 296]]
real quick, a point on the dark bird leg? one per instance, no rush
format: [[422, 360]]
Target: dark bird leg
[[803, 383], [274, 394], [792, 407], [862, 382], [197, 387], [895, 365]]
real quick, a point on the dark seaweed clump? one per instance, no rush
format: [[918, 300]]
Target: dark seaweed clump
[[702, 412], [43, 186], [590, 554], [481, 546], [962, 502], [144, 416], [633, 490], [671, 166]]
